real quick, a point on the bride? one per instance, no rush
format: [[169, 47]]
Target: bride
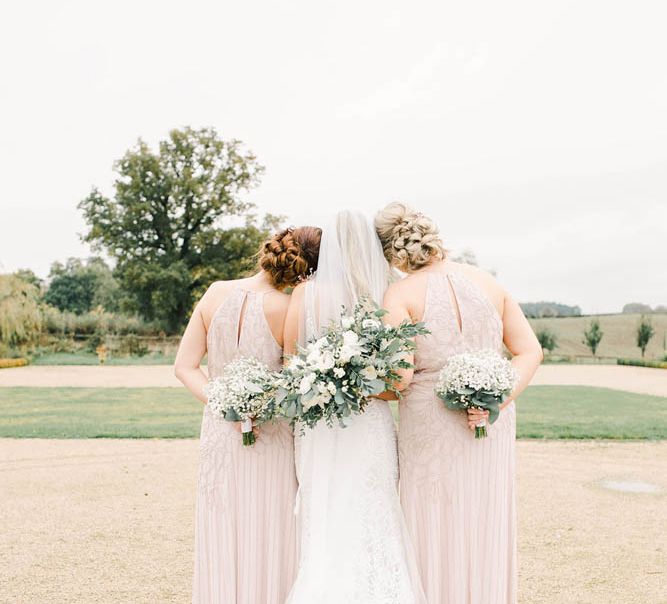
[[353, 542]]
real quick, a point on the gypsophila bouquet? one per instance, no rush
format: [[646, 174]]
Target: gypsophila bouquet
[[335, 374], [476, 380], [244, 392]]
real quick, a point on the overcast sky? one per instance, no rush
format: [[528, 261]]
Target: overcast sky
[[535, 133]]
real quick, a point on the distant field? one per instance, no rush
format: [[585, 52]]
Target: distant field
[[576, 412], [619, 339]]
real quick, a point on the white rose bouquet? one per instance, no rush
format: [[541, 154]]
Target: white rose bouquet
[[478, 380], [243, 392], [335, 374]]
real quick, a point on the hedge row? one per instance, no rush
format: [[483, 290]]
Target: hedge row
[[643, 363]]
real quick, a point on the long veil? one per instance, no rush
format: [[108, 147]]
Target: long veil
[[351, 264], [344, 472]]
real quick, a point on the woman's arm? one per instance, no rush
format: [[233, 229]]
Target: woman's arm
[[291, 329], [520, 340], [397, 313], [190, 353]]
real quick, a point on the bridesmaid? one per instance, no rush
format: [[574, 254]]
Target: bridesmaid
[[245, 542], [458, 493]]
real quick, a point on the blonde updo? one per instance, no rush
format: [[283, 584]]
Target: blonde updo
[[409, 239], [290, 255]]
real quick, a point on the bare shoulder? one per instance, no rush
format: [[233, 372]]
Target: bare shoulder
[[477, 274], [298, 293], [214, 296], [276, 302], [487, 282], [407, 287]]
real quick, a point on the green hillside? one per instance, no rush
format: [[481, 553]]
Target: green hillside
[[619, 340]]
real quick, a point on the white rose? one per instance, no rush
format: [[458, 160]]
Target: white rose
[[371, 324], [350, 346], [347, 322], [369, 372], [306, 383], [326, 361]]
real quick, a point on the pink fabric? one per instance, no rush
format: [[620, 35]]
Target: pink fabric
[[458, 492], [245, 545]]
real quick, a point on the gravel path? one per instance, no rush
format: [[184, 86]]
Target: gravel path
[[633, 379], [86, 521]]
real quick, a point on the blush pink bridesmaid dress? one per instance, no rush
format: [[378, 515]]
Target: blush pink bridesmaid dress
[[245, 544], [458, 492]]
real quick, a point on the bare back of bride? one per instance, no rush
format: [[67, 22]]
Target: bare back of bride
[[352, 541]]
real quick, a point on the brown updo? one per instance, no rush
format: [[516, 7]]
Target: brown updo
[[291, 255], [409, 239]]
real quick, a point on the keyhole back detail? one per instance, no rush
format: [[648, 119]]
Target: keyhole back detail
[[461, 318], [239, 328]]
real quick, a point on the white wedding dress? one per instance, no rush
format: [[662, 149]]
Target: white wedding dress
[[353, 543]]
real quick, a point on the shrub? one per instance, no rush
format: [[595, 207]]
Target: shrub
[[6, 363], [547, 339], [593, 336], [20, 317], [643, 363]]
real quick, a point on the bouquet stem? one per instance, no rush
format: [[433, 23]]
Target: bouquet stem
[[480, 431], [248, 434]]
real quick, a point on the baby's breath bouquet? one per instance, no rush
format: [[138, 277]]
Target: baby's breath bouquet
[[478, 380], [244, 392], [354, 359]]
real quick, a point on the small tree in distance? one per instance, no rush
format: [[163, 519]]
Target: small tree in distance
[[645, 332], [593, 336], [547, 339]]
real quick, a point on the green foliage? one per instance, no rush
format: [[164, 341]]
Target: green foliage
[[549, 309], [643, 363], [645, 332], [79, 286], [67, 324], [636, 307], [163, 225], [20, 316], [593, 336], [547, 339], [27, 275]]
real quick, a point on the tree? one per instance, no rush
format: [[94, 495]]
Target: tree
[[20, 316], [79, 286], [593, 336], [547, 339], [27, 275], [636, 308], [645, 332], [163, 225]]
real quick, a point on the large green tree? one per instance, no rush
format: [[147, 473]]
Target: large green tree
[[79, 286], [164, 223]]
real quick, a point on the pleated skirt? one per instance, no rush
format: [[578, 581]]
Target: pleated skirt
[[458, 497], [245, 541]]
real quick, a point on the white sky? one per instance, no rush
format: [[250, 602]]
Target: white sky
[[534, 132]]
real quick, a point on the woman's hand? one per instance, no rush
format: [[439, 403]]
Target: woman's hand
[[477, 416]]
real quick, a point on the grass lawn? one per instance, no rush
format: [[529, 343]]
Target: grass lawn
[[90, 358], [544, 412]]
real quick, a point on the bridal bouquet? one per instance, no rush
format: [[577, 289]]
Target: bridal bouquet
[[333, 376], [478, 380], [243, 392]]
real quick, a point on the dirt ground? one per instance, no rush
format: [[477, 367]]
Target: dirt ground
[[85, 521], [633, 379]]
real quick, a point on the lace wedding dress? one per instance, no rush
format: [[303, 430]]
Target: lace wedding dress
[[353, 541]]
